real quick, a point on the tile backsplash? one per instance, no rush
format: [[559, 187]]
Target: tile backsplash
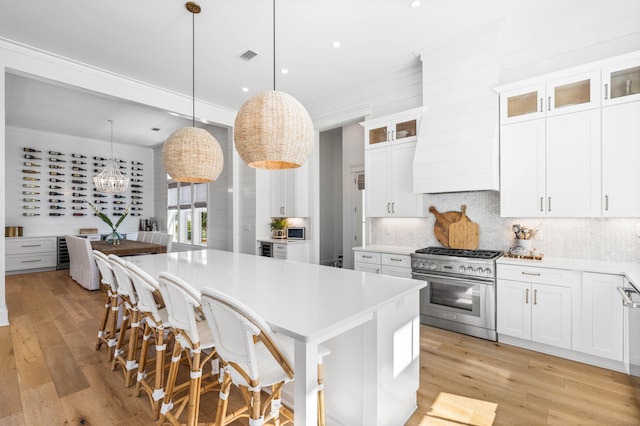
[[580, 238]]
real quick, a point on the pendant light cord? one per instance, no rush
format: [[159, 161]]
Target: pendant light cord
[[274, 45], [111, 121], [193, 69]]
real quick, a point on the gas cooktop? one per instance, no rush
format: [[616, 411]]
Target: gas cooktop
[[469, 254]]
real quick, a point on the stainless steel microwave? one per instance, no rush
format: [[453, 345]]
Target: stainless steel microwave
[[295, 233]]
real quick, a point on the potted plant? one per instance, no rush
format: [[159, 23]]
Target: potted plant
[[278, 225]]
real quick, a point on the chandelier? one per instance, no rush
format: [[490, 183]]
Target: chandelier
[[110, 180]]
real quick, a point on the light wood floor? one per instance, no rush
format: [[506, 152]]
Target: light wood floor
[[50, 373]]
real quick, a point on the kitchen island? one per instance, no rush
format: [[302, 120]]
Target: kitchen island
[[369, 322]]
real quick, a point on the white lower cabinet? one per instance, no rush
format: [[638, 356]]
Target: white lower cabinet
[[397, 265], [599, 317], [25, 253], [298, 252], [536, 312]]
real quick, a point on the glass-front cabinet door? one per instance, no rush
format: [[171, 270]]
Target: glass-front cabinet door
[[522, 104], [378, 135], [621, 83], [572, 94]]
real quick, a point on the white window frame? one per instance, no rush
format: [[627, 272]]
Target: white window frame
[[188, 203]]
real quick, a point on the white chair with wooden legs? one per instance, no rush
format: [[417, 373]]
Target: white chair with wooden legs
[[141, 235], [193, 340], [148, 237], [253, 357], [107, 333], [156, 323], [130, 322]]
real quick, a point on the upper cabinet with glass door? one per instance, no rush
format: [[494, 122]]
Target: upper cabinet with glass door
[[402, 127], [621, 83], [571, 94]]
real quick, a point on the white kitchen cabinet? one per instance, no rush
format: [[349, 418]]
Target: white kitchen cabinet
[[297, 251], [598, 316], [290, 192], [400, 127], [621, 82], [397, 265], [559, 96], [551, 167], [534, 304], [389, 182], [24, 253], [620, 154]]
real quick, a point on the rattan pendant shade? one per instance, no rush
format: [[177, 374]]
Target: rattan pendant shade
[[191, 154], [273, 131]]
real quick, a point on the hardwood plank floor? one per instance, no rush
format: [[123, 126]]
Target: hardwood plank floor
[[51, 374]]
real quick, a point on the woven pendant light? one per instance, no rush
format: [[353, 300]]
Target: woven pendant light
[[273, 130], [191, 154], [110, 180]]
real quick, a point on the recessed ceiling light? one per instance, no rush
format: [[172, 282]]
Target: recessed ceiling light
[[284, 71], [415, 3], [245, 89], [336, 44]]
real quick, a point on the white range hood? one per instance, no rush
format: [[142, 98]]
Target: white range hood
[[458, 141]]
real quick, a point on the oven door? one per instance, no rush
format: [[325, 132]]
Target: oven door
[[462, 300]]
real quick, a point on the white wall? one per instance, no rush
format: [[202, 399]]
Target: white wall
[[352, 161], [44, 225]]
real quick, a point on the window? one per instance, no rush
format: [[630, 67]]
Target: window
[[187, 212]]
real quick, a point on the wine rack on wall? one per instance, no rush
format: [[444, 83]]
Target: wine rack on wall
[[58, 184]]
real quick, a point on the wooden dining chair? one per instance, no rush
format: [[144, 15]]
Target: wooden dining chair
[[253, 357], [107, 333], [194, 343], [126, 351], [156, 324]]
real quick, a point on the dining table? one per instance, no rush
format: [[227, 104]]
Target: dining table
[[128, 247], [369, 322]]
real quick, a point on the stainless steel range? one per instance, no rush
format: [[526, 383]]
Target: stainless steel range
[[460, 293]]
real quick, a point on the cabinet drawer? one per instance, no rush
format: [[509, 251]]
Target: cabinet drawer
[[367, 257], [533, 274], [396, 260], [396, 271], [30, 245], [280, 251], [366, 267], [31, 261]]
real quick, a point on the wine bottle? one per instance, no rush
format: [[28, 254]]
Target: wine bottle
[[99, 196], [137, 169], [99, 159], [135, 191], [136, 174], [56, 194], [55, 166], [78, 182], [120, 161], [55, 180], [30, 150], [30, 200], [78, 175], [56, 174], [30, 193], [55, 200], [136, 203], [136, 180], [119, 202], [136, 186], [30, 214], [28, 185], [57, 160], [55, 153], [137, 163], [32, 157], [78, 201], [136, 214], [78, 162], [54, 207], [77, 194], [136, 197], [95, 202], [79, 214], [78, 169], [30, 207], [78, 188], [55, 187], [30, 164], [29, 178], [119, 196], [56, 214], [78, 208], [78, 156], [30, 171], [98, 164]]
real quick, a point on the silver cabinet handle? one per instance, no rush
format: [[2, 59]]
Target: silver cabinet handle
[[31, 261], [606, 91], [395, 260], [541, 109], [541, 204], [393, 207], [606, 202], [535, 274], [393, 135], [388, 207], [31, 245], [549, 104], [535, 297], [367, 257], [526, 297], [548, 204]]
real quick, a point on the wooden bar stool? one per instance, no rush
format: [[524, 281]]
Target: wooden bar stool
[[194, 343], [156, 328], [107, 333], [253, 358], [130, 322]]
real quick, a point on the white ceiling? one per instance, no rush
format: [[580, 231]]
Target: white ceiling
[[150, 40]]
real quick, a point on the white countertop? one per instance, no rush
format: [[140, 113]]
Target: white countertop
[[628, 269], [302, 300], [387, 249]]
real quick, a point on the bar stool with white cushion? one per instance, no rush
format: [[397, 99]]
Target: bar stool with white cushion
[[192, 338], [156, 322], [130, 322], [107, 333], [253, 357]]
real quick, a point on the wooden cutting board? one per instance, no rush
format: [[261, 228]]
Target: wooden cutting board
[[463, 234], [443, 221]]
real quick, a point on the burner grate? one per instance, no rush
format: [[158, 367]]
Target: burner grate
[[469, 254]]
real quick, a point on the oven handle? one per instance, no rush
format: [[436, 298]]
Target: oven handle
[[428, 277]]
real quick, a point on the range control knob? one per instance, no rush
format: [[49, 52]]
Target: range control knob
[[461, 269], [487, 272], [469, 269], [432, 266]]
